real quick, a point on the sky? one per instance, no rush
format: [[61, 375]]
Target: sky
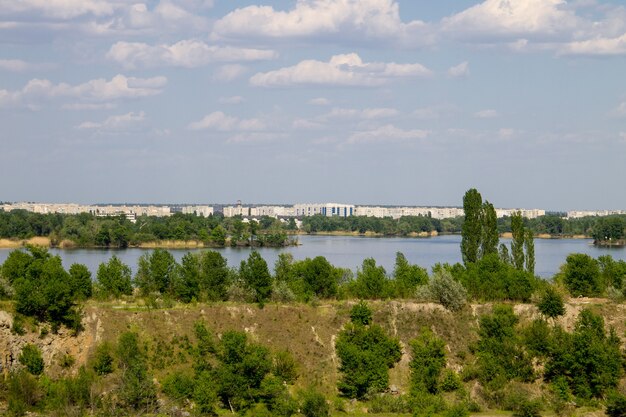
[[403, 102]]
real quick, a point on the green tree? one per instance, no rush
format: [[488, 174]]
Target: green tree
[[588, 360], [427, 362], [366, 353], [581, 275], [551, 303], [31, 359], [471, 234], [314, 405], [371, 281], [517, 243], [137, 389], [407, 277], [82, 286], [256, 276], [490, 236], [529, 245], [156, 272], [114, 278]]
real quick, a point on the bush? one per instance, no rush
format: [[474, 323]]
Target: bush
[[23, 392], [457, 410], [314, 405], [103, 360], [31, 359], [67, 361], [528, 408], [427, 362], [361, 314], [179, 385], [616, 405], [551, 303], [450, 381], [446, 291], [285, 367], [18, 325], [385, 403]]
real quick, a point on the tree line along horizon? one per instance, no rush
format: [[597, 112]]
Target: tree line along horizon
[[583, 366], [87, 230]]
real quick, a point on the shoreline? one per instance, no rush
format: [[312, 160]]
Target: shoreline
[[196, 244]]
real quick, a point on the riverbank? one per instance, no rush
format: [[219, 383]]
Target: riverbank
[[159, 244]]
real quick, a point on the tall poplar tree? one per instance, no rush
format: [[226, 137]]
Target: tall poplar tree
[[529, 244], [490, 237], [517, 244], [471, 233]]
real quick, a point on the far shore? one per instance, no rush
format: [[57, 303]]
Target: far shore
[[196, 244]]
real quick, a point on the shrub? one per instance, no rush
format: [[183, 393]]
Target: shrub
[[361, 314], [385, 403], [179, 385], [23, 392], [457, 410], [551, 303], [446, 291], [31, 359], [136, 389], [450, 381], [528, 408], [285, 367], [616, 405], [18, 325], [67, 361], [314, 405], [103, 360], [427, 362]]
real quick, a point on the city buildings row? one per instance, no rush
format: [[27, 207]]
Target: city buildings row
[[279, 211], [345, 210]]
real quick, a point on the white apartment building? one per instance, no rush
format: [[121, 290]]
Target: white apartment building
[[324, 209], [204, 211], [527, 213], [593, 213]]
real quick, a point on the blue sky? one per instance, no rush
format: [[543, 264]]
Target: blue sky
[[367, 102]]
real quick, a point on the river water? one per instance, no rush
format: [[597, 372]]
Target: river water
[[349, 252]]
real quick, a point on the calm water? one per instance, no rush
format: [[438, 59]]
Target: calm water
[[349, 252]]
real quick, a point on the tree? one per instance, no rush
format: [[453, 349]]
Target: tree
[[256, 276], [137, 389], [156, 272], [114, 278], [472, 228], [446, 291], [31, 359], [366, 353], [517, 243], [490, 236], [82, 286], [581, 275], [427, 361], [551, 303], [529, 245], [407, 277], [371, 281]]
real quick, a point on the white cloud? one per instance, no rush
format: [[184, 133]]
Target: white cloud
[[387, 133], [620, 110], [506, 133], [461, 70], [17, 65], [118, 122], [596, 46], [222, 122], [510, 19], [622, 136], [486, 114], [119, 87], [61, 9], [355, 20], [365, 114], [341, 70], [305, 124], [89, 106], [427, 113], [186, 53], [232, 100], [320, 101], [229, 72]]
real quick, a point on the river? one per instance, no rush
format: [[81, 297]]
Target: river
[[349, 252]]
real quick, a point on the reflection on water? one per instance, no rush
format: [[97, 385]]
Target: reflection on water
[[349, 252]]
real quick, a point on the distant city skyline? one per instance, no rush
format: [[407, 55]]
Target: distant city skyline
[[398, 102]]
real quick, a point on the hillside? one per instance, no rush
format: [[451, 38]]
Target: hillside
[[307, 332]]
